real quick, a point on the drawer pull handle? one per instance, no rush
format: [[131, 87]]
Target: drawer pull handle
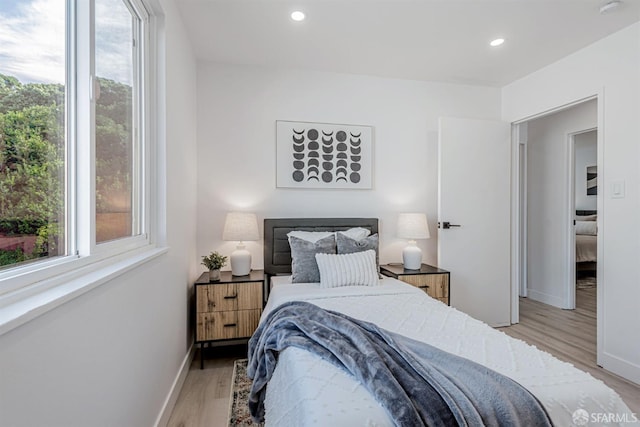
[[231, 296], [424, 287], [230, 325]]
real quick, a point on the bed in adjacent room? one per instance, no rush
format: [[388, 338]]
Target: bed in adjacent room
[[586, 242], [306, 390]]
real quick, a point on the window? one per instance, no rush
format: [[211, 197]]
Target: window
[[74, 151], [32, 131], [116, 119]]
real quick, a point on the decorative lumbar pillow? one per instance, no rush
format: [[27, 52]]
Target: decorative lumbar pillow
[[587, 227], [356, 269], [593, 217], [303, 257], [309, 236], [356, 233]]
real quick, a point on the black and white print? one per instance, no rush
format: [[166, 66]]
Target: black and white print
[[592, 180], [323, 155]]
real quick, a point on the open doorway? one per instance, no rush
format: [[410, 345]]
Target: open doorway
[[548, 203], [550, 178], [585, 157]]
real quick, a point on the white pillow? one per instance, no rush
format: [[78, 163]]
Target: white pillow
[[310, 236], [356, 233], [587, 227], [356, 269]]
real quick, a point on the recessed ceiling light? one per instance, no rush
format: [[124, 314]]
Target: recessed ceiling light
[[297, 16], [496, 42]]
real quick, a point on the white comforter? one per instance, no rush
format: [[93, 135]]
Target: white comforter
[[308, 391]]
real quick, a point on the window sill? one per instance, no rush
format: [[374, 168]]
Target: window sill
[[72, 285]]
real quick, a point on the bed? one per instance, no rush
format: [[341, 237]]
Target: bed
[[586, 242], [306, 390]]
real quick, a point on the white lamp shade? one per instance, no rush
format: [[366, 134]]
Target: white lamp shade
[[240, 227], [413, 226]]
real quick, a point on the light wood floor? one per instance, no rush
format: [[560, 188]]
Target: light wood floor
[[569, 335], [204, 398]]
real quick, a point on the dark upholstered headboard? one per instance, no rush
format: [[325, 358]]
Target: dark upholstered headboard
[[586, 212], [277, 253]]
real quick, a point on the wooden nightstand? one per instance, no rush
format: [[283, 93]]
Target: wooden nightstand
[[434, 281], [228, 309]]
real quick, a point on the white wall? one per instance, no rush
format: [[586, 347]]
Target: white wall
[[548, 198], [110, 356], [586, 154], [609, 68], [237, 110]]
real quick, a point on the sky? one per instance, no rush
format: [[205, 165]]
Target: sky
[[7, 6], [32, 40]]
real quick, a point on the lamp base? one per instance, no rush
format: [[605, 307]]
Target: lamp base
[[240, 261], [412, 256]]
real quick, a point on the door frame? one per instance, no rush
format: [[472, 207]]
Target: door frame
[[518, 235], [518, 222], [570, 287], [518, 218]]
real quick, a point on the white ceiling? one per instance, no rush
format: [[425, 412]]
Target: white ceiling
[[435, 40]]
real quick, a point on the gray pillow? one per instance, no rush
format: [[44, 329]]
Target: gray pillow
[[347, 245], [304, 268]]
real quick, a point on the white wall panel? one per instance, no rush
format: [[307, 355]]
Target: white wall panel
[[237, 111]]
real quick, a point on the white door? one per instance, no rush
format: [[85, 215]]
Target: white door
[[474, 198]]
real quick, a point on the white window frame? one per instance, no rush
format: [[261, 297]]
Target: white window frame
[[40, 284], [140, 155]]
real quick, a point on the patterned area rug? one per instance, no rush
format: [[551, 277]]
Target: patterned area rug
[[586, 282], [238, 409]]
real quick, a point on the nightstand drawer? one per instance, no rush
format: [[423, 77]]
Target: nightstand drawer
[[229, 297], [432, 280], [435, 285], [223, 325]]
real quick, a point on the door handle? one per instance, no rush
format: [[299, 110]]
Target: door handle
[[447, 225]]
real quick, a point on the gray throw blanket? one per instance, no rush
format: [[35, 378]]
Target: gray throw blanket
[[416, 383]]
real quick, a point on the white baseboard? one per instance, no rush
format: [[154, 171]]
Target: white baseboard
[[174, 392], [545, 298], [621, 367]]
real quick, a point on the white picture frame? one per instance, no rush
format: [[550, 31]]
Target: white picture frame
[[323, 155]]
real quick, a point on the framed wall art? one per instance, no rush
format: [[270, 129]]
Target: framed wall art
[[592, 180], [323, 155]]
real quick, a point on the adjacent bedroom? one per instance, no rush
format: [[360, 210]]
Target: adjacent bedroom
[[319, 213], [586, 192]]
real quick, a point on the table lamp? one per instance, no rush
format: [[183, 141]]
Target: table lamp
[[240, 227], [412, 226]]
